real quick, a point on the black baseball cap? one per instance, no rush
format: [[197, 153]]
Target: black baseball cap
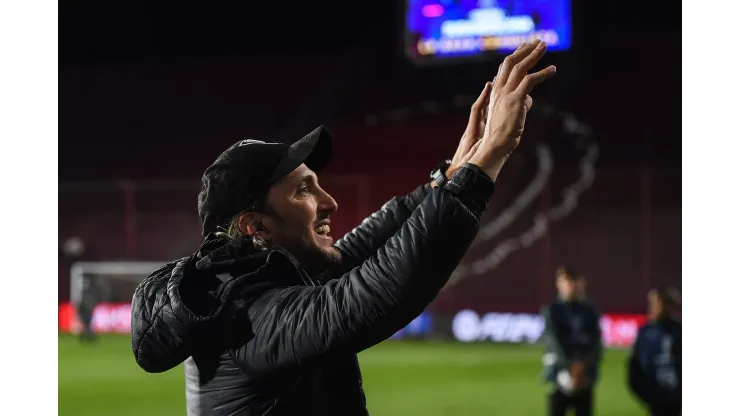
[[241, 176]]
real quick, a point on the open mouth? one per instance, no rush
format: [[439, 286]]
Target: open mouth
[[322, 230]]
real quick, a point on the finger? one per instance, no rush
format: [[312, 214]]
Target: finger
[[481, 101], [501, 64], [513, 59], [497, 78], [528, 102], [486, 99], [519, 71], [524, 115], [483, 111], [478, 111], [532, 80]]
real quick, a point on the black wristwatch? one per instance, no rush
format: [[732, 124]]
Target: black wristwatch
[[438, 173]]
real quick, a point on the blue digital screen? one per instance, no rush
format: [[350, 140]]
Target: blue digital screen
[[466, 28]]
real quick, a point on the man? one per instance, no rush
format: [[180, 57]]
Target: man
[[270, 313], [573, 346], [86, 308], [654, 367]]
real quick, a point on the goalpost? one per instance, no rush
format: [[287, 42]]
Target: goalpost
[[114, 277], [109, 286]]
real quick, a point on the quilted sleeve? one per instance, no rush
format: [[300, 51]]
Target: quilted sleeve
[[365, 240], [294, 326], [164, 330]]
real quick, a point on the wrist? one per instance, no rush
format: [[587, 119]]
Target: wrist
[[488, 164], [472, 186]]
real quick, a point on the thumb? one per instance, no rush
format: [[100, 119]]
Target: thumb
[[479, 106]]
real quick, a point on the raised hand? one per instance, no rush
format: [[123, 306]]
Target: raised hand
[[508, 106], [473, 132]]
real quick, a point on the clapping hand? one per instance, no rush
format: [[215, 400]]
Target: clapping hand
[[473, 132], [508, 105]]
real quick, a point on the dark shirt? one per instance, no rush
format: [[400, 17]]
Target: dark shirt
[[572, 333], [654, 368]]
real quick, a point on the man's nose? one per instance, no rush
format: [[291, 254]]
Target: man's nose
[[328, 204]]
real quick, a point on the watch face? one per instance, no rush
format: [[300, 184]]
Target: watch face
[[439, 177], [438, 173]]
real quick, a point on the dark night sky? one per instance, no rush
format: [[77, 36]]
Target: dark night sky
[[97, 32], [104, 39]]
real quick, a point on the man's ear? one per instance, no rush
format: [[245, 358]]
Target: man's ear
[[251, 223]]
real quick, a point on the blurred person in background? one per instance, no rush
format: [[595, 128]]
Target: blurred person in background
[[86, 308], [582, 287], [654, 367], [72, 251], [270, 313], [573, 346]]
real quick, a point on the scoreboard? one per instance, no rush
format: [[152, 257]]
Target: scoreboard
[[444, 29]]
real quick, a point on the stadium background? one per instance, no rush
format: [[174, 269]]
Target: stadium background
[[150, 95]]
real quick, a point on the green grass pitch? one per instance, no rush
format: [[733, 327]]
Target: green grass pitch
[[400, 378]]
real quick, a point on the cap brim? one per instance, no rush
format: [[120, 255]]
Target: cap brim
[[314, 149]]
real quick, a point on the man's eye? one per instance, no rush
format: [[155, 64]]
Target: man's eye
[[303, 189]]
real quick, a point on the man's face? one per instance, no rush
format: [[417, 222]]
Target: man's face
[[656, 308], [297, 218], [567, 287]]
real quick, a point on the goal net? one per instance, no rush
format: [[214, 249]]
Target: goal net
[[106, 288]]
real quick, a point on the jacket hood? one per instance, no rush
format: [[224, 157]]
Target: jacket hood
[[186, 299]]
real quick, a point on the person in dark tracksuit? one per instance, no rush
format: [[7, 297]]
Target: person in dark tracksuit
[[654, 367], [573, 347]]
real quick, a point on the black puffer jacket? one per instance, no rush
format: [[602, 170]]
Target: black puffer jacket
[[259, 336]]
